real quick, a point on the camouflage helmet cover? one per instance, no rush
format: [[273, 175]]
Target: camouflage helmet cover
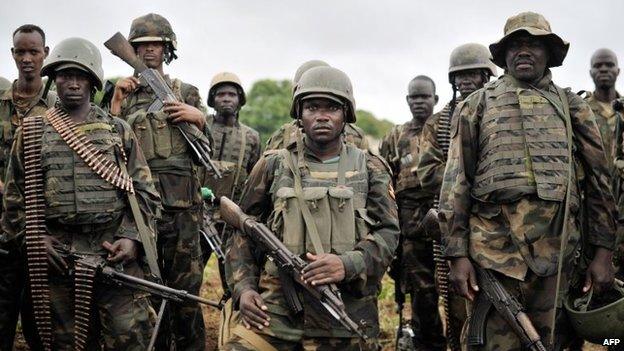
[[222, 78], [325, 82], [75, 53], [470, 56], [603, 322], [152, 27], [536, 25], [5, 83]]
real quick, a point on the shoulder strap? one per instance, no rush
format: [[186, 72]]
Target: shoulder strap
[[254, 339], [241, 156]]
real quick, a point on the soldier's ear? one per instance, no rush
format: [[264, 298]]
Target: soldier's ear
[[46, 50], [437, 98]]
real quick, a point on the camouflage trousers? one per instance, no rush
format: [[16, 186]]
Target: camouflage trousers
[[11, 286], [418, 279], [121, 319], [237, 343], [182, 268], [537, 295]]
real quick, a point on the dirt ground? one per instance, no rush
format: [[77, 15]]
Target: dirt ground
[[212, 290]]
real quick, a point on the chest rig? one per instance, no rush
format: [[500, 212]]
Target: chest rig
[[335, 194], [522, 144], [232, 152]]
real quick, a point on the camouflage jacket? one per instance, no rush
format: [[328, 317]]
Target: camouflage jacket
[[401, 148], [228, 141], [514, 229], [431, 163], [286, 135], [606, 117], [95, 227], [365, 264], [10, 119], [169, 157]]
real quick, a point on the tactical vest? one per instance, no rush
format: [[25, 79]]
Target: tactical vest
[[522, 145], [165, 150], [74, 193], [231, 154], [338, 210]]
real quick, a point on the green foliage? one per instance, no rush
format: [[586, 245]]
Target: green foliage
[[372, 126], [98, 95], [268, 106]]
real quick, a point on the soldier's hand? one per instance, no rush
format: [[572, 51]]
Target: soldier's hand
[[54, 258], [181, 112], [123, 88], [252, 309], [600, 273], [122, 250], [463, 278], [323, 269]]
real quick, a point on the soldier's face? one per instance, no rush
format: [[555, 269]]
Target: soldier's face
[[421, 98], [29, 52], [226, 99], [526, 58], [322, 119], [152, 53], [468, 81], [73, 87], [604, 69]]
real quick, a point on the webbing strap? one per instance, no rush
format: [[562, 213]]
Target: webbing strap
[[254, 339], [241, 155]]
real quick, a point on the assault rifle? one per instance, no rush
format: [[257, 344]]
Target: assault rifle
[[493, 294], [209, 230], [196, 140], [404, 334], [289, 264]]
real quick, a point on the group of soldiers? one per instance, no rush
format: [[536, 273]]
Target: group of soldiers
[[515, 177]]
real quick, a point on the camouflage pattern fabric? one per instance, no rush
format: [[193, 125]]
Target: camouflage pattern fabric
[[401, 147], [365, 263], [517, 233], [307, 344], [175, 174], [135, 315], [606, 117], [12, 283], [285, 136]]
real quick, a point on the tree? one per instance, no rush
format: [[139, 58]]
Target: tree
[[268, 106], [372, 126]]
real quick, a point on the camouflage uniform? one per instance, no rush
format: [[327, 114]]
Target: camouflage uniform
[[11, 270], [83, 212], [502, 203], [176, 178], [376, 229], [286, 135], [401, 147], [606, 117]]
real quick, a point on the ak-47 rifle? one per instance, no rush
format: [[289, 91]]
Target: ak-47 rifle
[[112, 276], [197, 141], [209, 230], [288, 263], [493, 294]]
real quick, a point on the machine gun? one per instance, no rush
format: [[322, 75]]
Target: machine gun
[[493, 294], [289, 264], [196, 140]]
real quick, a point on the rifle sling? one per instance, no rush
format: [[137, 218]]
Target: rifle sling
[[254, 339], [241, 156]]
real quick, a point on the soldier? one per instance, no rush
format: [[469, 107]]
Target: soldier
[[83, 209], [469, 69], [510, 184], [287, 133], [174, 171], [401, 148], [22, 98], [353, 227]]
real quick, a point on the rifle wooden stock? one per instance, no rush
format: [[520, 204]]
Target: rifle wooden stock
[[120, 47], [232, 214]]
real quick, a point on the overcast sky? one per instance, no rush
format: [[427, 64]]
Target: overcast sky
[[380, 45]]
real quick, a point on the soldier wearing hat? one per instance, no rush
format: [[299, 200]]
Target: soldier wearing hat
[[510, 195], [19, 99], [352, 217], [83, 210], [174, 172], [287, 133], [469, 69]]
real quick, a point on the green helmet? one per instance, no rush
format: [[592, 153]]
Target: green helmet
[[303, 68], [75, 53], [326, 82], [536, 25], [597, 324], [154, 27], [5, 83], [470, 56], [226, 77]]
